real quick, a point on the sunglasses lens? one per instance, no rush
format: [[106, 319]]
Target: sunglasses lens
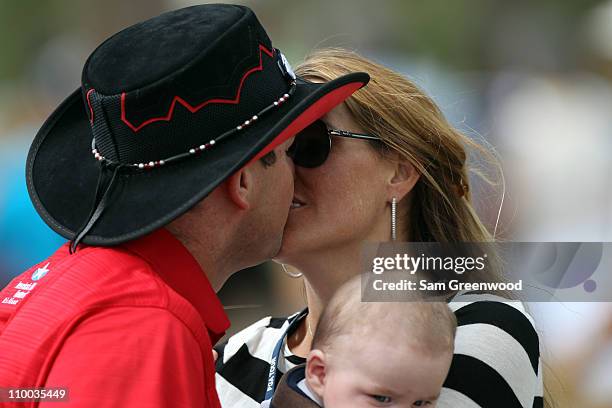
[[311, 146]]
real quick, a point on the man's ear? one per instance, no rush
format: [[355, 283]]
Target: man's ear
[[239, 188], [315, 372], [402, 181]]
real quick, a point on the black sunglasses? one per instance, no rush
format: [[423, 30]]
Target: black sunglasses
[[312, 145]]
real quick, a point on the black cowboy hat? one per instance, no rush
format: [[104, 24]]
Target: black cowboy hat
[[168, 109]]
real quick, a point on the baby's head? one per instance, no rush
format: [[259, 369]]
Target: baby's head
[[380, 354]]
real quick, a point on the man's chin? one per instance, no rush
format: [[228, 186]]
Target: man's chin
[[275, 251]]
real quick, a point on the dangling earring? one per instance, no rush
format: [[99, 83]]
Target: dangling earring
[[293, 275], [393, 219]]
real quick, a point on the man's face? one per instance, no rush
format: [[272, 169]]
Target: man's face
[[274, 182]]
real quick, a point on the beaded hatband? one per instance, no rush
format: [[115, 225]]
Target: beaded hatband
[[202, 147]]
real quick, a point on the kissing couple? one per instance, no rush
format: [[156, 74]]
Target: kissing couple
[[192, 150]]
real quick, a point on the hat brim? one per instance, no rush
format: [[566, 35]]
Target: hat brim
[[62, 174]]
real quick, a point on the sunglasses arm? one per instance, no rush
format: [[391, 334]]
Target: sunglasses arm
[[344, 133]]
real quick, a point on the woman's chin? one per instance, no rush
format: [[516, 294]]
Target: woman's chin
[[295, 242], [286, 250], [302, 234], [296, 215], [295, 225]]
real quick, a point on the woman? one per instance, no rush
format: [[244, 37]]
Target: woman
[[387, 143]]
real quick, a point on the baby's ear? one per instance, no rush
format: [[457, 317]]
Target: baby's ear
[[315, 372]]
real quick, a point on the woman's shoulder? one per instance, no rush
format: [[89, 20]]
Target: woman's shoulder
[[243, 362], [256, 340], [489, 318], [497, 350], [510, 316]]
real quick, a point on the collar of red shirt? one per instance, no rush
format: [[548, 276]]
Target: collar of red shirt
[[178, 268]]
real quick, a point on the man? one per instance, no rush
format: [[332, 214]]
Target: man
[[167, 171]]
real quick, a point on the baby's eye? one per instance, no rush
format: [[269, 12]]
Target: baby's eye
[[381, 398], [421, 403]]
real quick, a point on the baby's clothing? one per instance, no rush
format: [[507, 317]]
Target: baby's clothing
[[293, 392]]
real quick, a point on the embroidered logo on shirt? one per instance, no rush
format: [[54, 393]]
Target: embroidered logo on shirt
[[40, 272], [24, 288]]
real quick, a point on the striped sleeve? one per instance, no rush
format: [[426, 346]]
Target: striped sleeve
[[497, 357], [244, 363]]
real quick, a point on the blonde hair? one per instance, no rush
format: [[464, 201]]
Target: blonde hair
[[411, 126]]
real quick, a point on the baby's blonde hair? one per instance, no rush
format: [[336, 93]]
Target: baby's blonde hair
[[426, 326]]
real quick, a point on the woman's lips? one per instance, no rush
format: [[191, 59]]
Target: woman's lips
[[297, 203]]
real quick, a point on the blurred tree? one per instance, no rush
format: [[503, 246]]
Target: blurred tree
[[25, 25]]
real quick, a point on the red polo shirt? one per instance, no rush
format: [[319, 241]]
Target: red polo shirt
[[128, 326]]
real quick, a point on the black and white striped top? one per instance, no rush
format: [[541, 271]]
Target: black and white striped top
[[496, 361]]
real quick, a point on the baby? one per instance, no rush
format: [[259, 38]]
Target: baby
[[373, 355]]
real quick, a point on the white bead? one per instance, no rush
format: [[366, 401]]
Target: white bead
[[192, 151], [151, 164], [246, 122], [254, 117], [140, 165], [275, 103], [212, 142], [281, 99], [286, 96], [239, 127], [202, 147], [161, 162]]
